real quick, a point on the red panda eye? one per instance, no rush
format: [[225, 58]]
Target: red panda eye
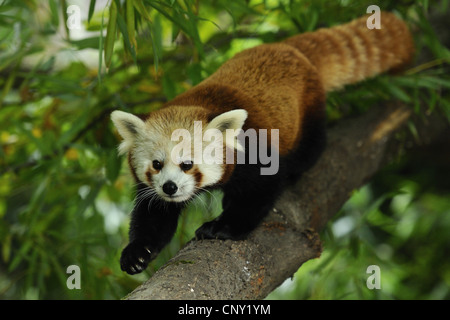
[[157, 165], [186, 165]]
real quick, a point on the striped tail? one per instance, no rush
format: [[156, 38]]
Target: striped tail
[[352, 52]]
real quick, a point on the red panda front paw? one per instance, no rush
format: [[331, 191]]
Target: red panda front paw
[[135, 257]]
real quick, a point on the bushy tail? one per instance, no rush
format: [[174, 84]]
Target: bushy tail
[[352, 52]]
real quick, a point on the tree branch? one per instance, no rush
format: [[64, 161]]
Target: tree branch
[[251, 269]]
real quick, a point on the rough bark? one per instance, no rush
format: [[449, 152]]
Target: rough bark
[[288, 237]]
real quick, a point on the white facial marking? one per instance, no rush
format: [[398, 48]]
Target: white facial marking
[[172, 172], [150, 140]]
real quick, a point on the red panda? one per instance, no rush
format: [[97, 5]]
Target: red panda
[[279, 87]]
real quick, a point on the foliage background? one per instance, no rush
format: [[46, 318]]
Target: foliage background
[[65, 194]]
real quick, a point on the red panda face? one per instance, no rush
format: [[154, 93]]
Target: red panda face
[[171, 181], [176, 152]]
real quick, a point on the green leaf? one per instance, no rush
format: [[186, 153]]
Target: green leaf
[[20, 255], [100, 52], [140, 7], [54, 12], [110, 33], [63, 6], [394, 90], [131, 23], [93, 43], [186, 20], [155, 56], [124, 32], [91, 10], [439, 81], [157, 40]]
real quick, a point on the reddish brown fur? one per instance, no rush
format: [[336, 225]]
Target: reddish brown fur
[[197, 176], [275, 84], [351, 52], [278, 84]]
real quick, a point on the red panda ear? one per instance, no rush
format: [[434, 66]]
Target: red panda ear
[[129, 127], [233, 119], [230, 124]]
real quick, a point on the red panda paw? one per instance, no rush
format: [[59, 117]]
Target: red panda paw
[[135, 257]]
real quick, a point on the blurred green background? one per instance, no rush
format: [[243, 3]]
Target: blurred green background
[[65, 195]]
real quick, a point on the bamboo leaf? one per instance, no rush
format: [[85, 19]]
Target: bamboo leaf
[[20, 255], [92, 42], [140, 7], [110, 33], [54, 12], [100, 52], [394, 90], [91, 10], [65, 18], [131, 23], [155, 56], [124, 32], [157, 39]]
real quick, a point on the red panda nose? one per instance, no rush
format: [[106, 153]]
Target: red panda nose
[[170, 188]]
